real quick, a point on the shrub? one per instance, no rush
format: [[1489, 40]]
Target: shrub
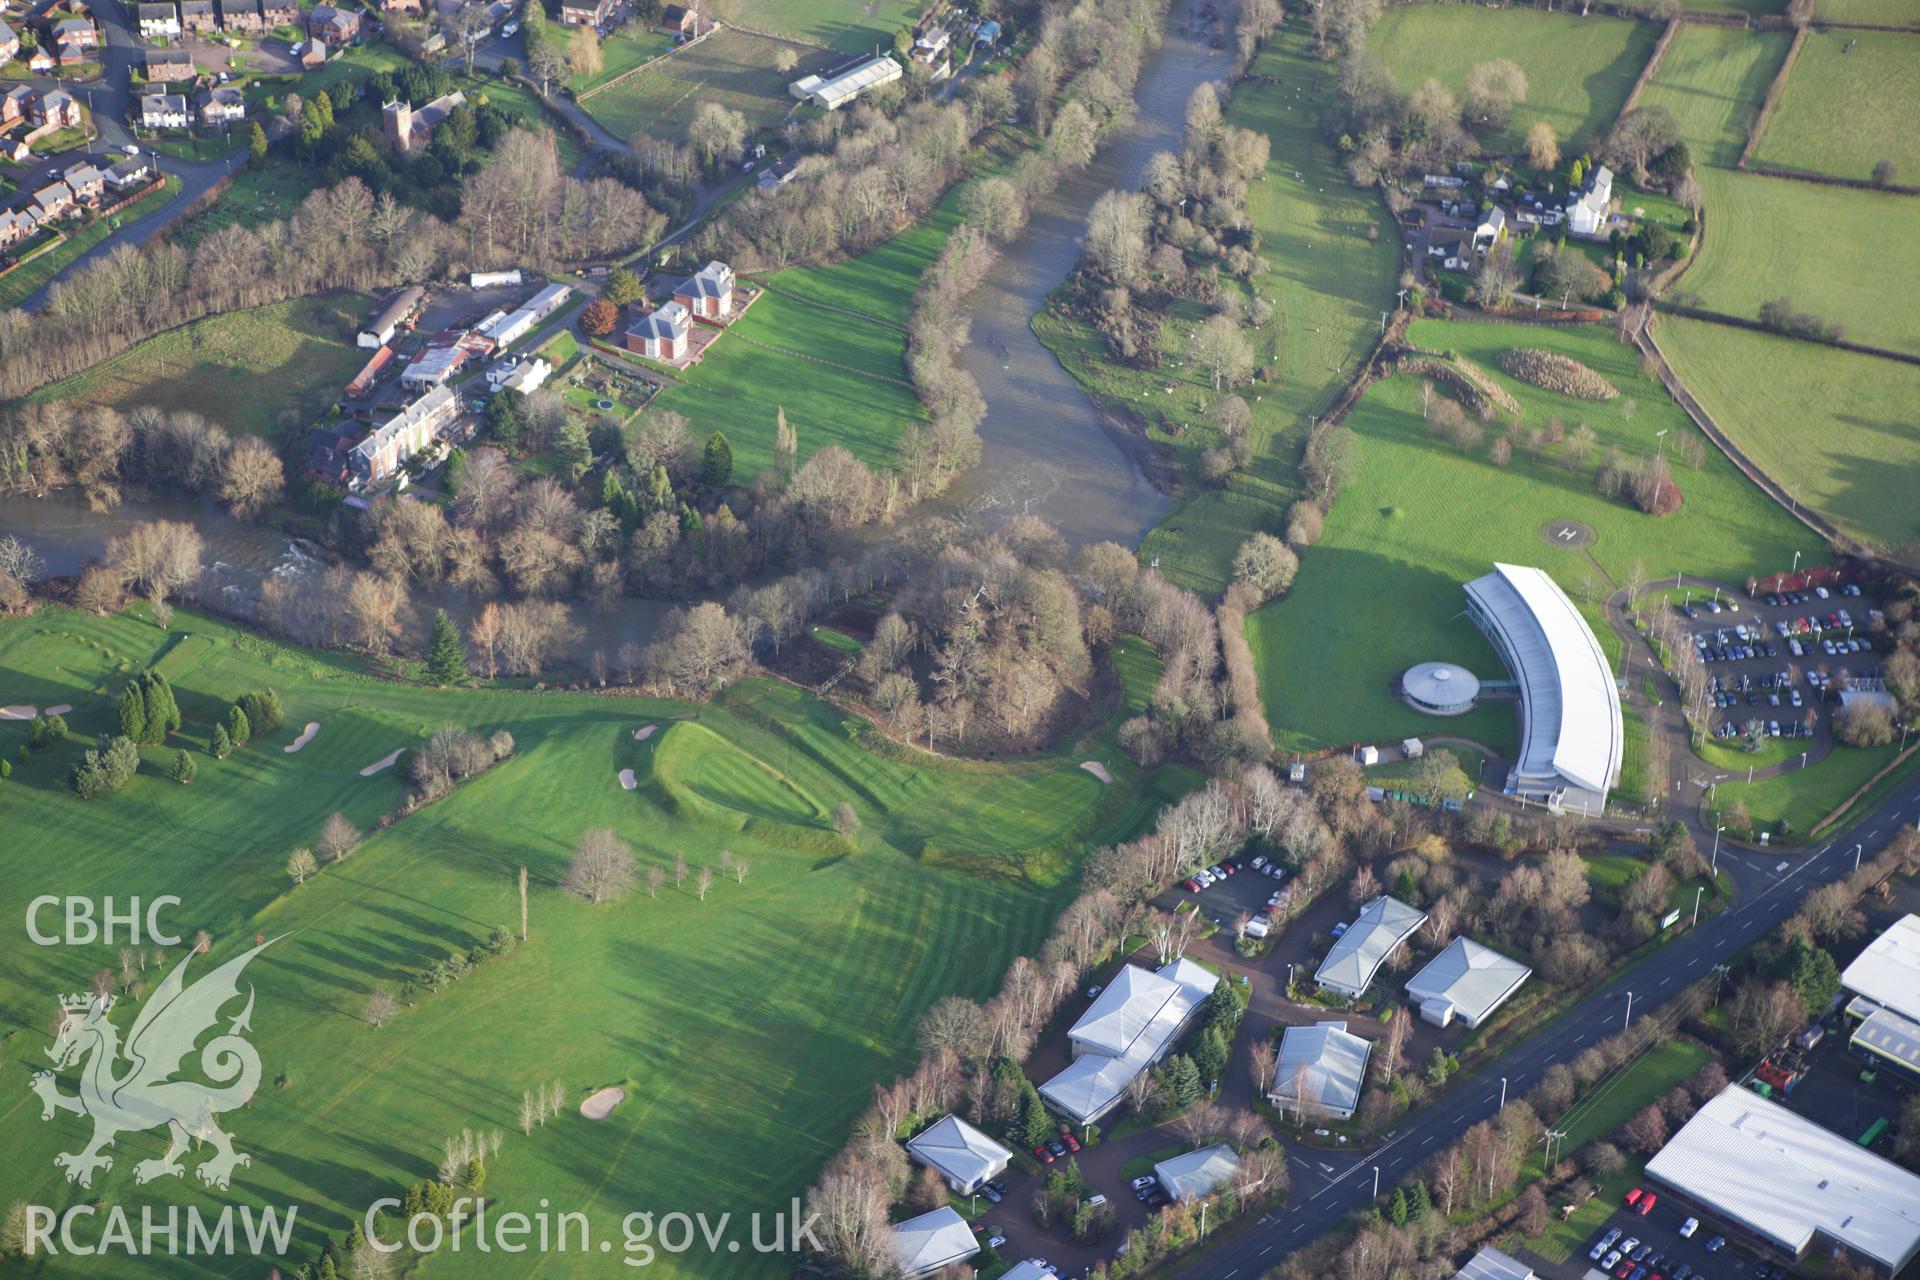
[[1555, 372], [45, 731], [108, 767]]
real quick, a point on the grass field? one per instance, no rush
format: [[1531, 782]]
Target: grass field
[[1849, 446], [851, 26], [880, 282], [1381, 590], [1818, 125], [1756, 249], [1713, 80], [27, 279], [1889, 13], [621, 53], [1579, 70], [240, 370], [1330, 264], [800, 985], [1801, 798], [732, 67], [749, 374]]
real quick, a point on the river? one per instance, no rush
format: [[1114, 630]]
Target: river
[[1046, 450]]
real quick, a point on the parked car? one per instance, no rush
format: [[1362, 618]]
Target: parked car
[[1339, 929], [1716, 1244], [1633, 1197], [995, 1241], [1144, 1180], [1190, 885], [1066, 1136], [1056, 1146], [1043, 1155], [1688, 1227], [1646, 1204]]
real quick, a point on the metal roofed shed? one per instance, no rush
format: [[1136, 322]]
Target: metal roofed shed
[[1198, 1173], [1321, 1067], [1779, 1176], [1467, 981], [931, 1241], [379, 330], [960, 1153], [1382, 925], [1491, 1264], [1440, 688], [1572, 737], [1888, 971], [835, 91], [1890, 1040]]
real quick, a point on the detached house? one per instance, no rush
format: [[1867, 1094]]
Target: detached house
[[16, 103], [220, 105], [163, 111], [708, 292], [56, 109], [39, 62], [584, 13], [241, 15], [159, 21], [129, 172], [198, 16], [78, 32], [680, 19], [163, 66], [17, 226], [1492, 225], [335, 26], [662, 333], [87, 181], [9, 43], [1587, 215]]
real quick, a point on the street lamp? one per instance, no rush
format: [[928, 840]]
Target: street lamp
[[1856, 855], [1696, 902], [1503, 1092], [1376, 1182], [1796, 562], [1716, 849], [1629, 1021]]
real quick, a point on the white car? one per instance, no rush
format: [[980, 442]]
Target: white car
[[1688, 1227], [996, 1242]]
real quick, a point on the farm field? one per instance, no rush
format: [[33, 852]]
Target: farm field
[[1751, 254], [1816, 126], [1713, 80], [240, 370], [1890, 13], [732, 67], [846, 26], [27, 279], [621, 52], [743, 380], [1381, 590], [1837, 429], [1327, 278], [880, 282], [804, 979], [1579, 70]]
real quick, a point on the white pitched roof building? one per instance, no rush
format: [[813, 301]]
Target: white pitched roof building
[[1491, 1264], [1128, 1028], [1198, 1173], [1888, 971], [1321, 1067], [960, 1153], [1357, 955], [1587, 216], [932, 1241], [838, 90], [1571, 737], [1467, 981], [1780, 1176]]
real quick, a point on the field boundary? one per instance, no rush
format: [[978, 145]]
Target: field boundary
[[1839, 810], [653, 61], [1653, 65], [1739, 322], [1774, 90], [1830, 180]]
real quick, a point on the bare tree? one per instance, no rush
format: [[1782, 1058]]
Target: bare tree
[[380, 1006], [1261, 1059], [602, 868], [1221, 349], [156, 557], [703, 882], [338, 837], [655, 879], [254, 479], [679, 870], [301, 865]]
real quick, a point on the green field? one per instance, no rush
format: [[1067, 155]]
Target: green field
[[1381, 590], [1840, 431], [1802, 798], [240, 370], [1756, 249], [1888, 13], [1713, 80], [798, 987], [847, 25], [621, 52], [1818, 125], [1579, 70], [27, 279], [1330, 262], [880, 282], [732, 67], [749, 374]]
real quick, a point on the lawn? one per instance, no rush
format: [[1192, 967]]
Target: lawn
[[240, 370], [1841, 254], [848, 26], [1888, 13], [1801, 798], [1818, 124], [801, 984], [880, 282], [257, 195], [732, 67], [27, 279], [1381, 590], [621, 53], [1713, 80], [749, 374], [1579, 70], [1838, 430], [1330, 263]]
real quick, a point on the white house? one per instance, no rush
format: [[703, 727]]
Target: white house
[[163, 111], [1198, 1173], [1467, 981], [1381, 926], [1492, 225], [1587, 216], [524, 376], [833, 92], [960, 1153], [926, 1244]]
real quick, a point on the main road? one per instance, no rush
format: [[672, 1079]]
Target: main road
[[1318, 1201]]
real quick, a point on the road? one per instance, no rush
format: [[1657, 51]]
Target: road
[[1330, 1187]]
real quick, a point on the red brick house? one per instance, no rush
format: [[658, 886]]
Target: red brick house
[[585, 13], [708, 292], [661, 334]]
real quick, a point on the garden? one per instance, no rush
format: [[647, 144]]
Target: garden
[[27, 279]]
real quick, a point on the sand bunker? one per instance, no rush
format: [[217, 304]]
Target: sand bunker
[[600, 1104], [306, 736], [1097, 769], [60, 710], [644, 732], [28, 713], [627, 781], [384, 762]]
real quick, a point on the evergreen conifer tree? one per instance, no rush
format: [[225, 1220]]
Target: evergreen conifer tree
[[222, 745], [446, 653], [133, 711], [716, 461], [184, 769], [239, 728]]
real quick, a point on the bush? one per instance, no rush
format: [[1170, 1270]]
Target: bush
[[1864, 725], [1555, 372], [105, 768], [45, 731]]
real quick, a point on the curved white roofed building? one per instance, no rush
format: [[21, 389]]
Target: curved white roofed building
[[1570, 733]]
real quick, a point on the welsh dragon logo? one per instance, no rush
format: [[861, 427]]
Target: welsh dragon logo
[[143, 1095]]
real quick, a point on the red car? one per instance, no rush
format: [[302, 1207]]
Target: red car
[[1646, 1204], [1066, 1136], [1633, 1197], [1043, 1155], [1191, 886]]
